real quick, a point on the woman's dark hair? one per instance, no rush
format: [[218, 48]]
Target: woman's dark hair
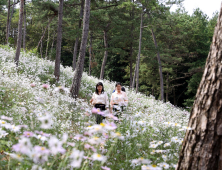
[[99, 84], [123, 89], [118, 83]]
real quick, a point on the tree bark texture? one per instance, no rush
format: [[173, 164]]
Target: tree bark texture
[[7, 25], [10, 20], [77, 38], [47, 45], [19, 37], [159, 66], [131, 48], [139, 52], [90, 54], [134, 76], [43, 35], [59, 41], [80, 64], [105, 54], [202, 147], [24, 30]]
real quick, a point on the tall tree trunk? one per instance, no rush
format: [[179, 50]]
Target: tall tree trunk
[[174, 97], [41, 46], [80, 64], [24, 31], [19, 37], [10, 20], [47, 45], [43, 35], [90, 54], [59, 41], [159, 63], [167, 91], [7, 24], [131, 65], [105, 54], [77, 38], [131, 48], [202, 147], [52, 45], [134, 76], [138, 57]]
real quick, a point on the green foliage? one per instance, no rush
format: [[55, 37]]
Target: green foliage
[[183, 41]]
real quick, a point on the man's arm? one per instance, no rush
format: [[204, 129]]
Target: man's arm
[[126, 99]]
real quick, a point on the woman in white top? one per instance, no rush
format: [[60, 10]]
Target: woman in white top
[[119, 97], [100, 100]]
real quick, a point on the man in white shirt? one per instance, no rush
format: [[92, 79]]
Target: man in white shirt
[[119, 97]]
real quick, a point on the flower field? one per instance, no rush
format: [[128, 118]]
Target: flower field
[[42, 127]]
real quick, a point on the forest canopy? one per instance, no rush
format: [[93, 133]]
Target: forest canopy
[[183, 41]]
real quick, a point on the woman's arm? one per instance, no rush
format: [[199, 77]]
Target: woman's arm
[[111, 103], [91, 100]]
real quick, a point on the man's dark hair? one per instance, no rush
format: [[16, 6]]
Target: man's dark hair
[[123, 89], [118, 83], [99, 84]]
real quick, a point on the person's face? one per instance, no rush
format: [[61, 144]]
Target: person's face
[[99, 88], [118, 87]]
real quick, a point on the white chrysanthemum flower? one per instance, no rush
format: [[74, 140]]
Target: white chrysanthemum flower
[[117, 135], [76, 158], [164, 165], [153, 146], [15, 128], [55, 145], [94, 141], [98, 157], [150, 167], [166, 144], [46, 122], [141, 160]]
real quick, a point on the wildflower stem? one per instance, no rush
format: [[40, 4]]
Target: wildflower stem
[[9, 163], [110, 150], [84, 163]]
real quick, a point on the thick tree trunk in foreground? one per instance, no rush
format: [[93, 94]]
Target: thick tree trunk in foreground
[[138, 57], [77, 38], [19, 37], [7, 24], [59, 41], [202, 147], [24, 31], [80, 64], [105, 54]]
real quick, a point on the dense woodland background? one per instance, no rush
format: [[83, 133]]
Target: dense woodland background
[[182, 41]]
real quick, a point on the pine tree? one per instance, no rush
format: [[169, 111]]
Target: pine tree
[[80, 64], [59, 41], [19, 37], [201, 147]]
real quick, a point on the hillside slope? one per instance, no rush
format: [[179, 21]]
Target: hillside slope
[[42, 126]]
